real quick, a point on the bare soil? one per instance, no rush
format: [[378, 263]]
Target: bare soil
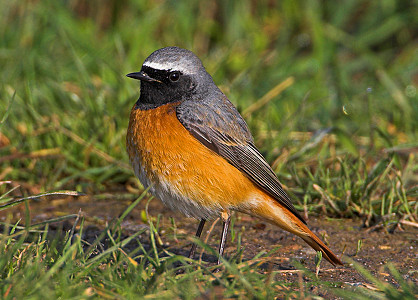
[[378, 248]]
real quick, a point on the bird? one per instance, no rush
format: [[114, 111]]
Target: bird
[[190, 146]]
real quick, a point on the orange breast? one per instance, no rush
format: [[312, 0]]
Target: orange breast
[[185, 174]]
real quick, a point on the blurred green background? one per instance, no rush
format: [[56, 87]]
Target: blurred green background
[[328, 88], [323, 85]]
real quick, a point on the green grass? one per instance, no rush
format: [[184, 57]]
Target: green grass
[[328, 88], [349, 95], [35, 265]]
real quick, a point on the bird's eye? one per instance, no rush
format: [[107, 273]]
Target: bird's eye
[[174, 76]]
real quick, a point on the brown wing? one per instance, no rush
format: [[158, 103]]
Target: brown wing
[[226, 133]]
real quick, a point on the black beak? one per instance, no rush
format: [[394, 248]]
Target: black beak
[[142, 76]]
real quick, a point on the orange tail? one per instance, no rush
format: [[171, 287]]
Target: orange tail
[[313, 241], [273, 212]]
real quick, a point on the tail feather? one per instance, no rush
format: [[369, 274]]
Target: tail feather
[[279, 215], [313, 241]]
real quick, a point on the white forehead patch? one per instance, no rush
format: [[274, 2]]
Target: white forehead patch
[[166, 67]]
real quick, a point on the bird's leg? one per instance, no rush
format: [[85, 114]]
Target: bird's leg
[[198, 233], [226, 218]]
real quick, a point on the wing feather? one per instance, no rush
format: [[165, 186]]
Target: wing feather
[[232, 140]]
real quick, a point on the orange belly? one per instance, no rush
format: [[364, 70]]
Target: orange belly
[[181, 171]]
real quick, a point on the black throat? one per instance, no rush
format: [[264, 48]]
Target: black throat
[[164, 91]]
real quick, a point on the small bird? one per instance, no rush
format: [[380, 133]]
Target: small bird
[[188, 143]]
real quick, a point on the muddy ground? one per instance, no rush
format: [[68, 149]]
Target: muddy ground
[[342, 235]]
